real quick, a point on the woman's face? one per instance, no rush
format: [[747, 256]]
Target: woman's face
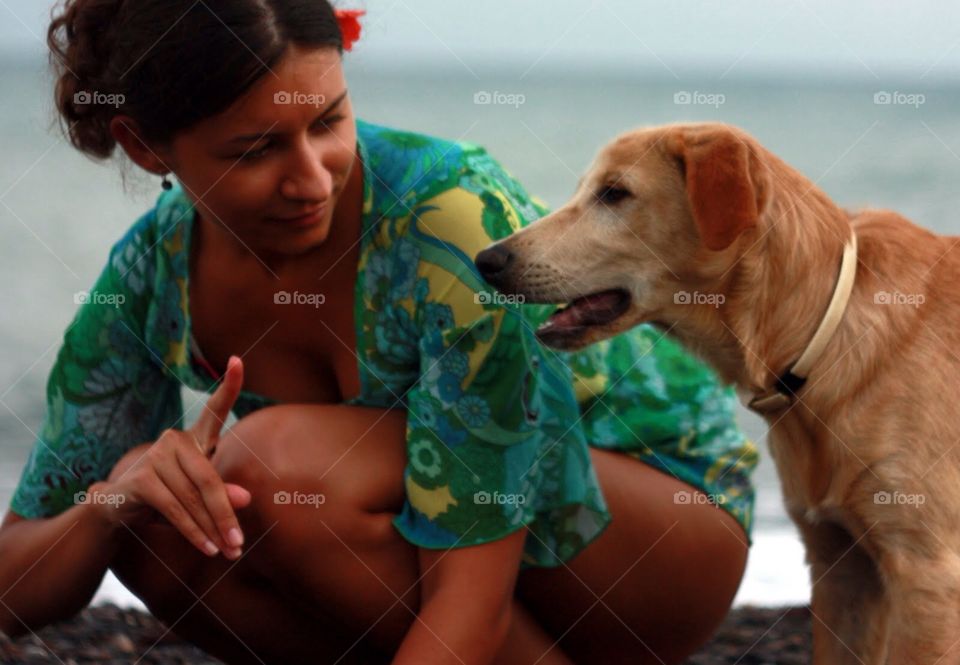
[[283, 150]]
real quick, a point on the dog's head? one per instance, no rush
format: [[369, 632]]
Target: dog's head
[[660, 211]]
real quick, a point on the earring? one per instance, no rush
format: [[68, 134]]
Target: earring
[[166, 184]]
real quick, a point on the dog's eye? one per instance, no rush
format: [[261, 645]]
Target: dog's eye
[[612, 194]]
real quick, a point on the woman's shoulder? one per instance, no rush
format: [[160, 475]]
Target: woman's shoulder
[[136, 256], [409, 166], [388, 144], [469, 196]]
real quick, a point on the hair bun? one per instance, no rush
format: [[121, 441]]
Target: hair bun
[[81, 39]]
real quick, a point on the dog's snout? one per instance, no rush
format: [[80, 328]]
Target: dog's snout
[[492, 261]]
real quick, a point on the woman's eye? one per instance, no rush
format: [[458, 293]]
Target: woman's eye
[[251, 154], [255, 154], [328, 123], [612, 194]]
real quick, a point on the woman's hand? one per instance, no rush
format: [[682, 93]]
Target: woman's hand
[[176, 479]]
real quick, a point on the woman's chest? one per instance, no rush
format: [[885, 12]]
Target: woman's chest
[[298, 344]]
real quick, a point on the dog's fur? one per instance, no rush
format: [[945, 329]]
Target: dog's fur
[[706, 209]]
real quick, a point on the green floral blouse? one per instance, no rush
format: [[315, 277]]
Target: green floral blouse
[[498, 426]]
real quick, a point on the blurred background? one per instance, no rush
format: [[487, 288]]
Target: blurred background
[[861, 96]]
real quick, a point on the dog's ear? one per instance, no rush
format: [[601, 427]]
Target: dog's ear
[[724, 185]]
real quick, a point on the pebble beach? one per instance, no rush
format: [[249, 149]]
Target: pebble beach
[[108, 634]]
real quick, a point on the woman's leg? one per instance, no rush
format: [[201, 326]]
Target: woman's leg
[[314, 578], [654, 586], [330, 481], [341, 563], [319, 582]]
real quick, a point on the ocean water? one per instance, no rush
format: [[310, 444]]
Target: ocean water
[[883, 144]]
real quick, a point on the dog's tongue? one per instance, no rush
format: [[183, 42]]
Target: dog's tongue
[[563, 318], [586, 309]]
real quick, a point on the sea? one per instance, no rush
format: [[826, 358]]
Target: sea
[[866, 142]]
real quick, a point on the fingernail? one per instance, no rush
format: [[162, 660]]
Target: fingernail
[[210, 548], [235, 537]]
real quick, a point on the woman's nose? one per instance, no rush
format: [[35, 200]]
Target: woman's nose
[[307, 178]]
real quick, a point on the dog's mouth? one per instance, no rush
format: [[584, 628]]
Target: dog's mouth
[[575, 318]]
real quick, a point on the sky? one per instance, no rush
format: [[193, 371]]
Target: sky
[[871, 39]]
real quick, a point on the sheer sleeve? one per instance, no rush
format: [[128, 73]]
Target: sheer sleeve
[[105, 392]]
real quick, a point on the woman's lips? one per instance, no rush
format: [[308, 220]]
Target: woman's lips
[[307, 219]]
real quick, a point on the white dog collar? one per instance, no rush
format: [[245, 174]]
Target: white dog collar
[[783, 392]]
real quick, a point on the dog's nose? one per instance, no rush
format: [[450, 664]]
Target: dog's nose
[[493, 261]]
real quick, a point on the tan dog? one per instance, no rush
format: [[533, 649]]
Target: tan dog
[[701, 230]]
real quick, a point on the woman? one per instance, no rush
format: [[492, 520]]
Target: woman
[[412, 478]]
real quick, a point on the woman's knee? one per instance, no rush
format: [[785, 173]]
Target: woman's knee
[[343, 448], [317, 472], [320, 477], [326, 482]]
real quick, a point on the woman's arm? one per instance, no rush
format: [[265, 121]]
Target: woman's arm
[[466, 601], [106, 393], [51, 567]]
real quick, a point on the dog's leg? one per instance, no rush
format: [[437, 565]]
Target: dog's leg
[[849, 605], [925, 610]]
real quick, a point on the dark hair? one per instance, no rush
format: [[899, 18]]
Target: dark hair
[[169, 63]]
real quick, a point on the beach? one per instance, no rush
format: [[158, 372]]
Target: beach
[[108, 634]]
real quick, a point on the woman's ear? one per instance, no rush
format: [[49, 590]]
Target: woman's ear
[[126, 133], [723, 180]]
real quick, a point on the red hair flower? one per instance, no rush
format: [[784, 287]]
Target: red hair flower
[[349, 25]]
